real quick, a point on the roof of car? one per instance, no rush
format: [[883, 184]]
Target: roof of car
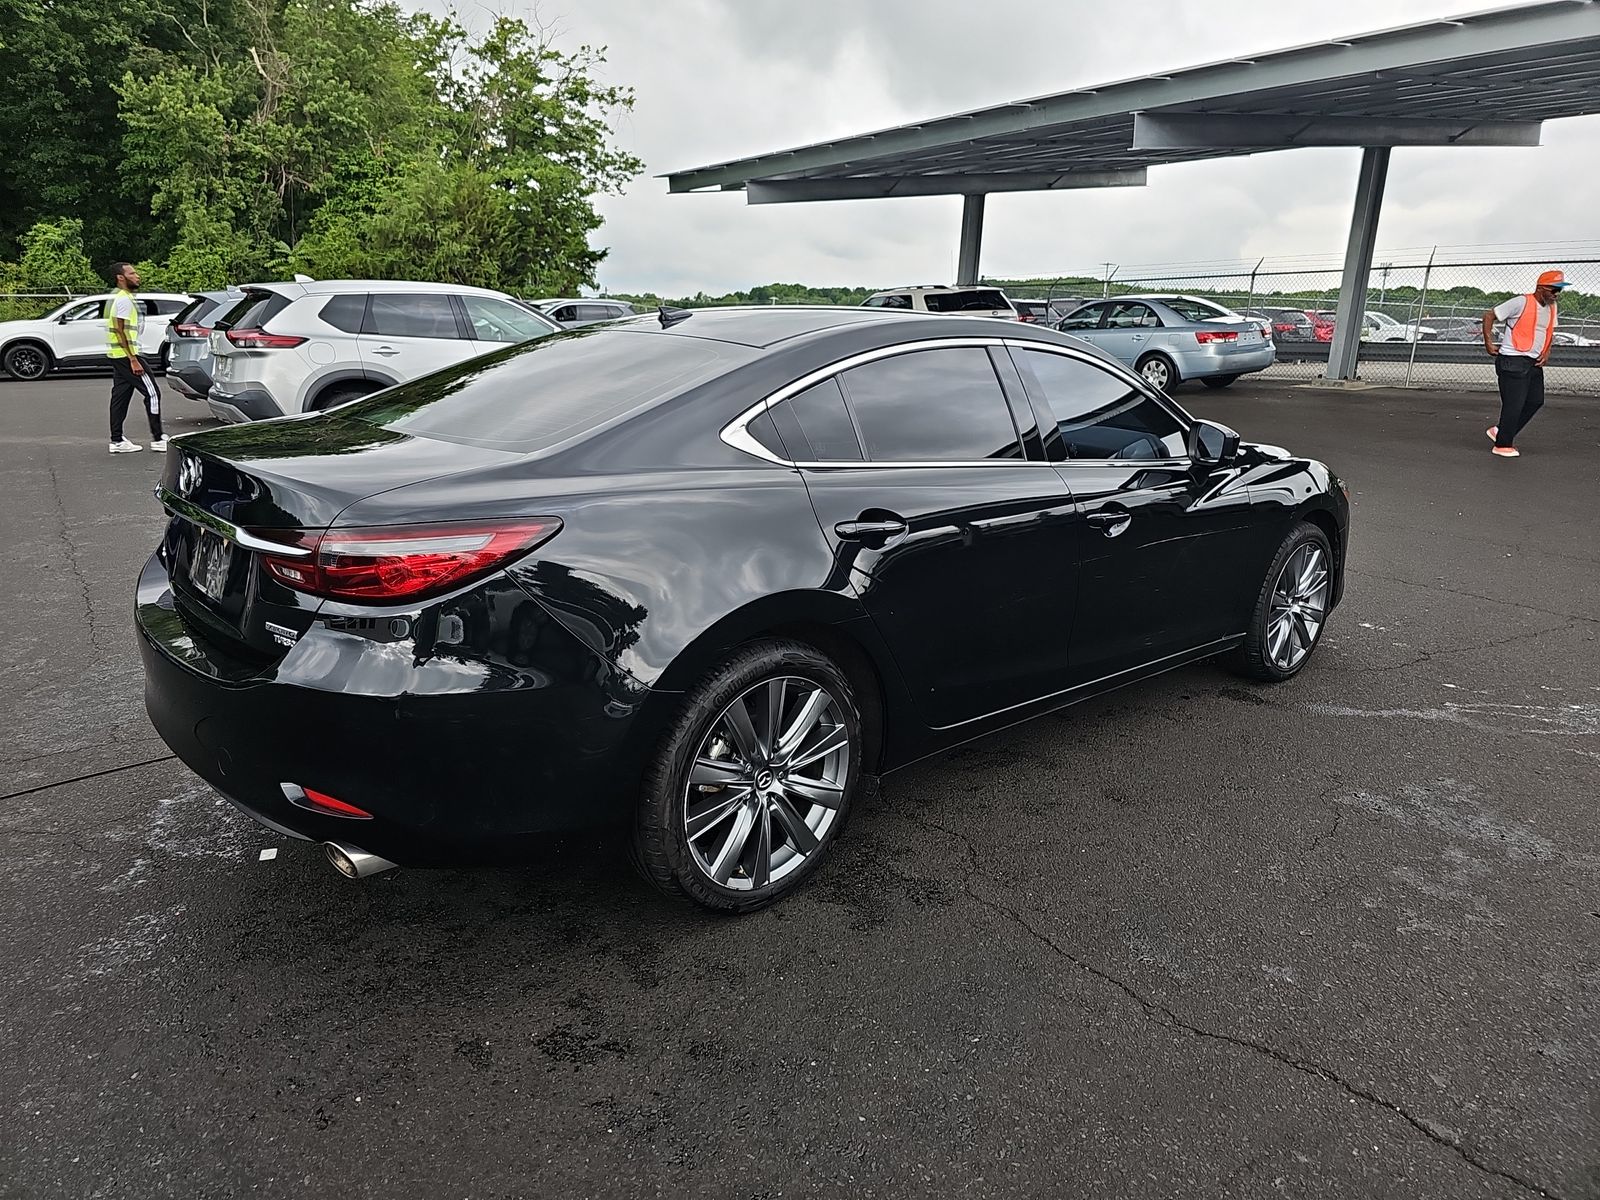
[[330, 287], [580, 300], [940, 287]]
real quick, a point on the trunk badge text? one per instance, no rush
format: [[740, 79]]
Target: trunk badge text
[[282, 634]]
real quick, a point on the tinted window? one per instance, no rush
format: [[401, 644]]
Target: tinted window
[[932, 406], [501, 321], [190, 311], [896, 301], [1100, 415], [976, 300], [567, 312], [427, 315], [818, 421], [596, 312], [167, 308], [1087, 317], [253, 311], [539, 394], [345, 312]]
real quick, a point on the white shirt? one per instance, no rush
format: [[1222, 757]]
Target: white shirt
[[1510, 311]]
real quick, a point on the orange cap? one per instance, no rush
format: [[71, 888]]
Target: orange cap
[[1553, 279]]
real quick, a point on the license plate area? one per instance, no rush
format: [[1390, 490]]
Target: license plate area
[[210, 564]]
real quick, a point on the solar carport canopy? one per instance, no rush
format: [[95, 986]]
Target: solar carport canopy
[[1485, 78]]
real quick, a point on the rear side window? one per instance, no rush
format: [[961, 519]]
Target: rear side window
[[540, 394], [424, 315], [895, 301], [815, 425], [168, 308], [596, 312], [345, 312], [1100, 414], [501, 321], [932, 406], [1087, 317], [1197, 310], [975, 300], [254, 311]]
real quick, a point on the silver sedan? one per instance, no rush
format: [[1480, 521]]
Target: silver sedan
[[1168, 339]]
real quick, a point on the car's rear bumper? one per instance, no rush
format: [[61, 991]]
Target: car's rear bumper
[[192, 381], [237, 405], [459, 755], [1205, 362]]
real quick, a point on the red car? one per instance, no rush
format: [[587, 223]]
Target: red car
[[1321, 325]]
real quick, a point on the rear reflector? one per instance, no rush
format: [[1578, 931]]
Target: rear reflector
[[321, 802], [396, 563], [255, 339], [1215, 335]]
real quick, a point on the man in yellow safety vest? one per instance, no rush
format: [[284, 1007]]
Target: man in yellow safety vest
[[129, 372], [1530, 331]]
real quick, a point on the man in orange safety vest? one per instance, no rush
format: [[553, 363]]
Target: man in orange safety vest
[[1530, 330]]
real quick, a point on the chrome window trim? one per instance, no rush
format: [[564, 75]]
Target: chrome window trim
[[736, 433], [195, 515]]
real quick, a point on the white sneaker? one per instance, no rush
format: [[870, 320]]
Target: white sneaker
[[126, 447], [159, 444]]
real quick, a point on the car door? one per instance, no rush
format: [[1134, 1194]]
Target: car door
[[957, 542], [1166, 550], [80, 332], [1130, 328], [407, 334]]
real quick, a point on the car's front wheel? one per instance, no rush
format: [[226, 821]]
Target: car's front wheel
[[754, 780], [1291, 608], [27, 362]]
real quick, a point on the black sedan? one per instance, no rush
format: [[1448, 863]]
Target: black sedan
[[705, 577]]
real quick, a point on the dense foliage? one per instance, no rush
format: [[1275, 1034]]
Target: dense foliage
[[220, 141]]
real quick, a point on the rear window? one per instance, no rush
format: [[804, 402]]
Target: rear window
[[254, 311], [976, 300], [537, 395], [189, 314], [346, 312], [1197, 310]]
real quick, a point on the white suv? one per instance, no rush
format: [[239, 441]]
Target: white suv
[[74, 335], [302, 347], [962, 301]]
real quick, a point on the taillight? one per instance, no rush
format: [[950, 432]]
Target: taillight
[[394, 563], [190, 331], [256, 339], [1216, 335]]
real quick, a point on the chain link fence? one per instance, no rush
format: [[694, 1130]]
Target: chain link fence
[[1423, 321], [29, 306]]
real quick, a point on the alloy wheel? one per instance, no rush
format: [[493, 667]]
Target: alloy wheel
[[766, 783], [25, 362], [1299, 607]]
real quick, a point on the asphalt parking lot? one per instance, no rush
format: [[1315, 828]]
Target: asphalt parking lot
[[1337, 938]]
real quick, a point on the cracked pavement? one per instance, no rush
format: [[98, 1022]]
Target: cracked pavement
[[1338, 938]]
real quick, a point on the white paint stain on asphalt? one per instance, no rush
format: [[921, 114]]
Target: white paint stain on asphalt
[[1461, 811], [1545, 720]]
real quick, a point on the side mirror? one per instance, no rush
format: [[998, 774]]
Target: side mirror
[[1212, 445]]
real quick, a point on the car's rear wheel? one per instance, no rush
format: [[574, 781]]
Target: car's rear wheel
[[1291, 609], [1159, 372], [27, 361], [754, 780], [1218, 381]]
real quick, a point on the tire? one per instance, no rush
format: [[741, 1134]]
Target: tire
[[1159, 371], [756, 787], [27, 361], [339, 393], [164, 359], [1263, 656], [1219, 381]]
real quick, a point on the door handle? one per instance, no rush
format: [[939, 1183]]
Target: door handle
[[386, 351], [1112, 524], [855, 531]]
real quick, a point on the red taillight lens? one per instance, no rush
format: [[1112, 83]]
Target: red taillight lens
[[255, 339], [190, 331], [1204, 336], [395, 563]]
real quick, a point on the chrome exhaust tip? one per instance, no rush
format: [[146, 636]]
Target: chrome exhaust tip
[[353, 863]]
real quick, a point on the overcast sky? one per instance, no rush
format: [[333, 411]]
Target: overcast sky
[[721, 79]]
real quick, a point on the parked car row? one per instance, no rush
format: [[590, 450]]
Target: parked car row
[[74, 335]]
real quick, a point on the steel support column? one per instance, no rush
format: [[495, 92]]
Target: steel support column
[[1358, 263], [971, 239]]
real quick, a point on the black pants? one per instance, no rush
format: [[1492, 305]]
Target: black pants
[[124, 383], [1521, 383]]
